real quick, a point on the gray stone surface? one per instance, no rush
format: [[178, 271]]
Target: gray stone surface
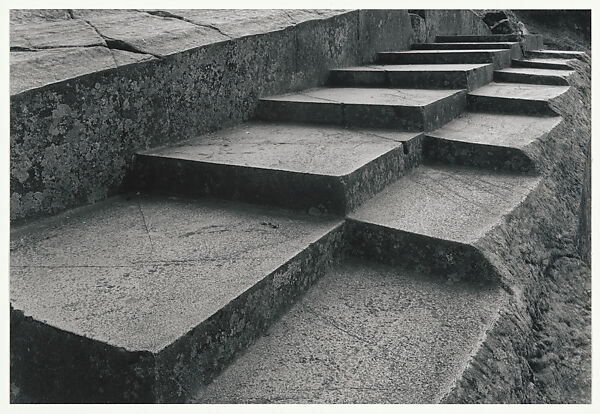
[[34, 16], [534, 75], [366, 333], [408, 109], [478, 38], [140, 273], [545, 63], [30, 70], [517, 98], [499, 57], [55, 34], [444, 202], [433, 76], [497, 129], [464, 45], [556, 54], [300, 148]]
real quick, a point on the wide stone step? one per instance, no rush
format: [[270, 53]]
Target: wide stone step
[[493, 141], [478, 38], [499, 57], [405, 109], [539, 63], [433, 217], [365, 333], [556, 54], [320, 169], [514, 47], [449, 76], [139, 299], [516, 98], [534, 75]]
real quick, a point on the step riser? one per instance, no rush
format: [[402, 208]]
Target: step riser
[[515, 49], [293, 190], [540, 65], [477, 155], [406, 118], [528, 78], [414, 79], [509, 105], [500, 59], [395, 247], [57, 366]]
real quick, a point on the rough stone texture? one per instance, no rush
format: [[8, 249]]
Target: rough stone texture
[[516, 98], [366, 333], [436, 76], [515, 47], [557, 54], [311, 168], [499, 57], [533, 75], [35, 16], [532, 351], [492, 141], [419, 28], [405, 109], [73, 141], [118, 274]]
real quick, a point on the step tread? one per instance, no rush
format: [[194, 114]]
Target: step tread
[[364, 329], [520, 91], [539, 71], [433, 67], [573, 53], [477, 38], [447, 202], [368, 96], [556, 61], [477, 45], [140, 272], [515, 131], [324, 150], [445, 51]]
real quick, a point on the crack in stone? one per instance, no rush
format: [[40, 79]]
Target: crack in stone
[[40, 48], [166, 14]]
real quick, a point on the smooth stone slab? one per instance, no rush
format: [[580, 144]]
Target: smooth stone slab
[[478, 38], [514, 47], [47, 35], [433, 76], [561, 64], [445, 202], [366, 333], [29, 70], [557, 54], [534, 75], [487, 140], [154, 35], [320, 168], [518, 98], [499, 57], [408, 109], [248, 22], [120, 272]]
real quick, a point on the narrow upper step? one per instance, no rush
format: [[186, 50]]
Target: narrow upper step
[[561, 64], [487, 140], [364, 330], [436, 76], [406, 109], [447, 202], [534, 75], [307, 167], [514, 47], [478, 38], [518, 98], [499, 57], [556, 54]]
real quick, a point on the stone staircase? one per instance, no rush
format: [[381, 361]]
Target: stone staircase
[[326, 251]]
